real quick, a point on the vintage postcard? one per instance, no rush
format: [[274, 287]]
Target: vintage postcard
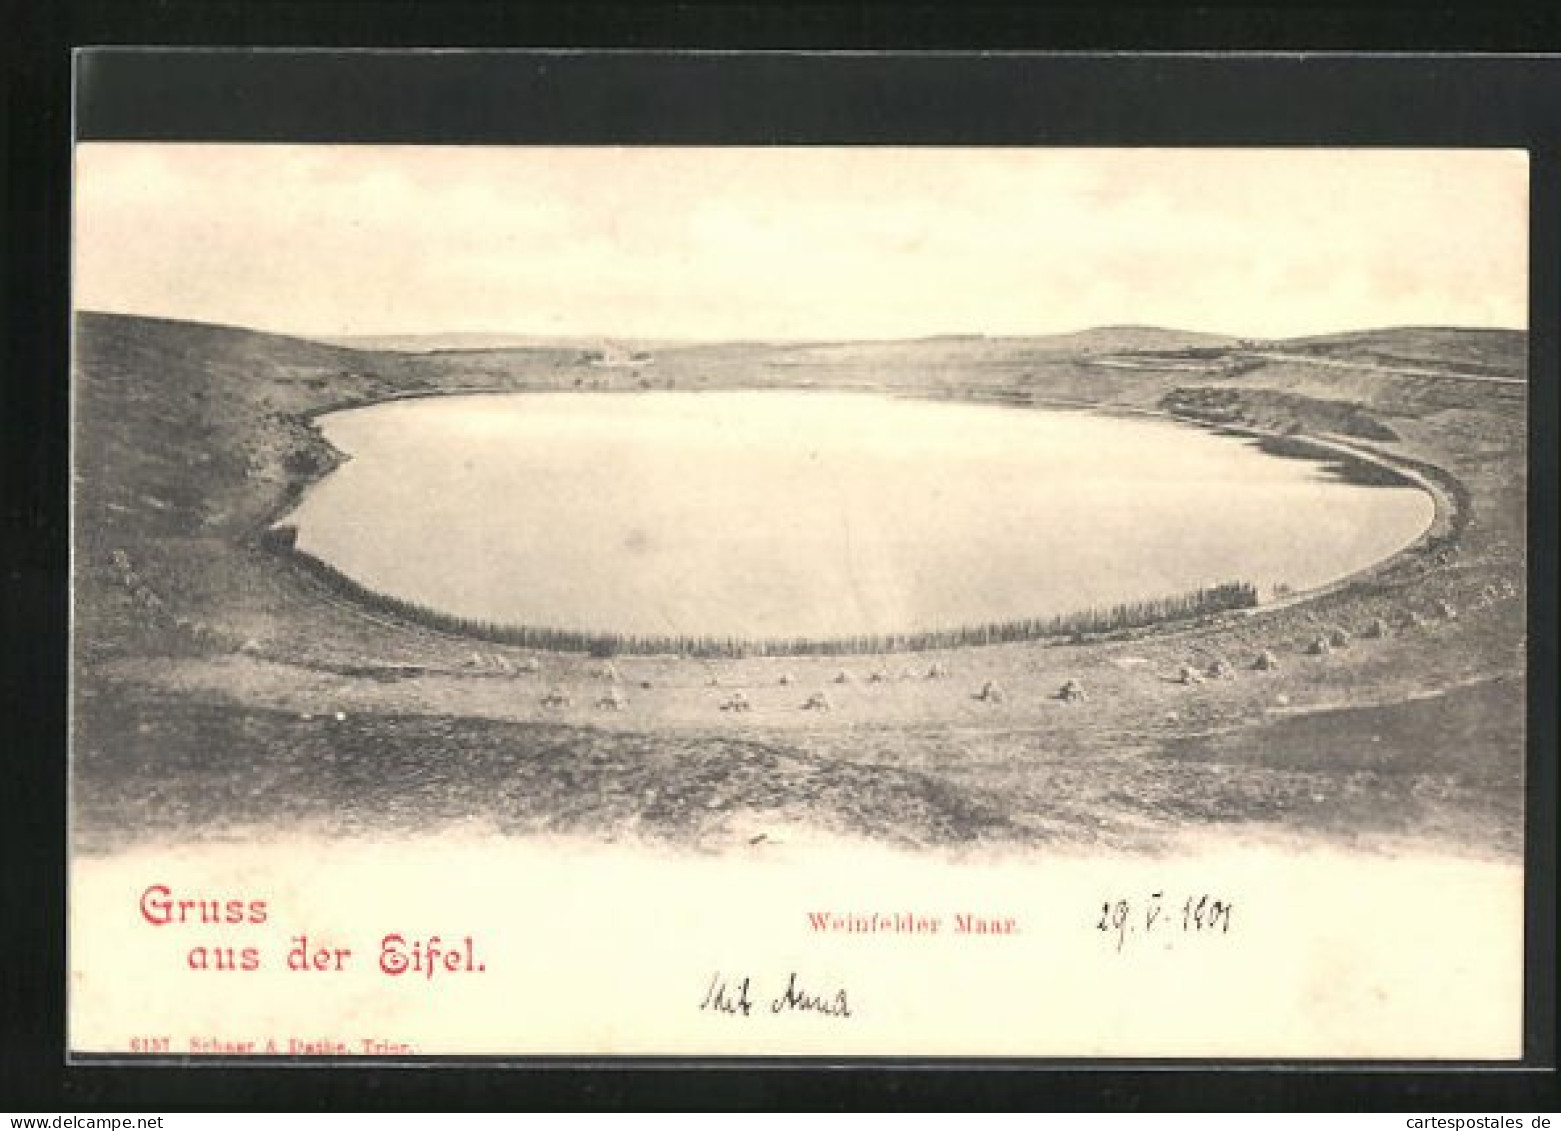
[[867, 601]]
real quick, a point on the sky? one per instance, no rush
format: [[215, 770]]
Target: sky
[[788, 243]]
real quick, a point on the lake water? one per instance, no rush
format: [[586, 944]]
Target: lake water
[[775, 514]]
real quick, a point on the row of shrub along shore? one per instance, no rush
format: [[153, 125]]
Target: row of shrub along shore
[[1225, 597]]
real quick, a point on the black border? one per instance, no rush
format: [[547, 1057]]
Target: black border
[[664, 98], [706, 99]]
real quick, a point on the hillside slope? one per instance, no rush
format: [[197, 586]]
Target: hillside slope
[[218, 686]]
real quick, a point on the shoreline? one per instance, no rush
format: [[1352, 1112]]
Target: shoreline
[[385, 609]]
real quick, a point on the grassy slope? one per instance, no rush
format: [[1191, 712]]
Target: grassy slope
[[191, 439], [1502, 352]]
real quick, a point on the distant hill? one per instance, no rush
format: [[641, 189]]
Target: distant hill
[[1425, 337], [1132, 339], [442, 343], [1103, 339], [1494, 351], [1491, 349]]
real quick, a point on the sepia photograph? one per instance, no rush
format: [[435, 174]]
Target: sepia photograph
[[798, 600]]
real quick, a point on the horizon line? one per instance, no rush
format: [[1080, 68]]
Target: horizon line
[[590, 337]]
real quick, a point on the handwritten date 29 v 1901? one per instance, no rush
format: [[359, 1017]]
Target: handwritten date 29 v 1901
[[1196, 915], [735, 997]]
